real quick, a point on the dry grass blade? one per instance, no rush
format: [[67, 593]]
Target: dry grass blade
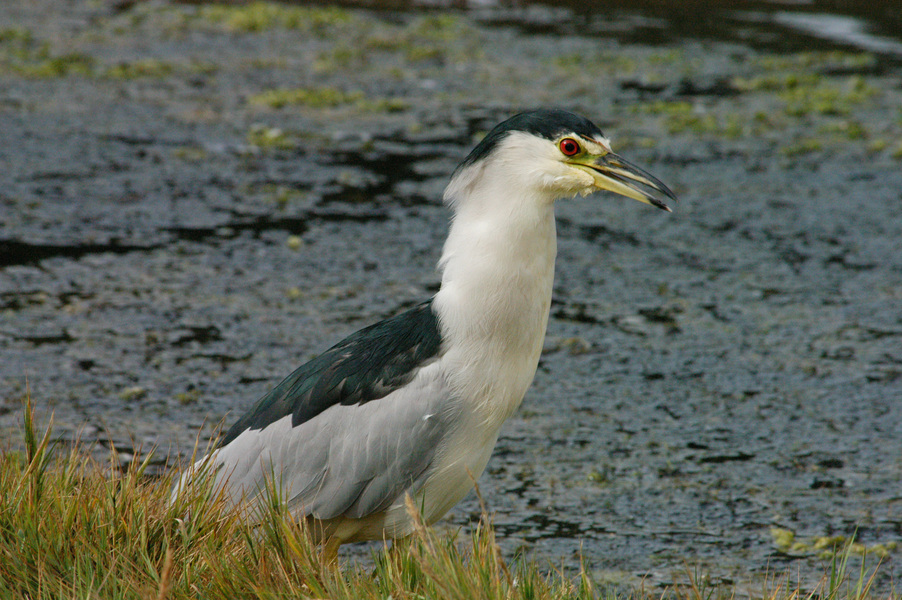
[[69, 528], [164, 576]]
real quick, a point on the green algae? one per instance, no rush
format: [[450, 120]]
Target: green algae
[[263, 16], [313, 97], [17, 42], [779, 82], [24, 54], [827, 546], [684, 117], [140, 68], [189, 397], [574, 63], [845, 129], [270, 138], [824, 61], [326, 97], [191, 154], [59, 66], [803, 93], [802, 146], [433, 39], [827, 97]]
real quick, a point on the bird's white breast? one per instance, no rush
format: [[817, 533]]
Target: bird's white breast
[[497, 276]]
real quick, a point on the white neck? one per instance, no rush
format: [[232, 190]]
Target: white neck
[[497, 275]]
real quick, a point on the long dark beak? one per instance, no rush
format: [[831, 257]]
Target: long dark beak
[[615, 174]]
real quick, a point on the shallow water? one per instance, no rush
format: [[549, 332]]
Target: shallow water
[[170, 248]]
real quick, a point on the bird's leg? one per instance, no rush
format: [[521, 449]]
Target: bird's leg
[[330, 552]]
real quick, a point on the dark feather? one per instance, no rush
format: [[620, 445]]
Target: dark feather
[[546, 123], [363, 367]]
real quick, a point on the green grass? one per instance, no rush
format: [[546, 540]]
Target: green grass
[[71, 529]]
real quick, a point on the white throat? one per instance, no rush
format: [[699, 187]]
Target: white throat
[[497, 271]]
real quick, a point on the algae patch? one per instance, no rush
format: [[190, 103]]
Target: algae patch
[[22, 53], [262, 16], [321, 97], [325, 97], [827, 546], [271, 138]]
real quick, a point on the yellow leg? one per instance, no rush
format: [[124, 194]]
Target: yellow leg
[[330, 552]]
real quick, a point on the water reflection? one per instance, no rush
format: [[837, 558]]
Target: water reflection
[[809, 25], [841, 29]]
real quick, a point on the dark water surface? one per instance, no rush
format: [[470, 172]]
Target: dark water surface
[[767, 25], [196, 199]]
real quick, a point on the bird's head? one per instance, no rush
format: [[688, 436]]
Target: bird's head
[[554, 154]]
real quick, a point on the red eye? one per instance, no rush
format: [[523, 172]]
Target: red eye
[[569, 147]]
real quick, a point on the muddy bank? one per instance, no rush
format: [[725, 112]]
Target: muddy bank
[[197, 199]]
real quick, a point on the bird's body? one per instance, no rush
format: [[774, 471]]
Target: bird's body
[[414, 404]]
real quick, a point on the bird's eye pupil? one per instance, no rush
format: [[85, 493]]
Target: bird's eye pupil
[[569, 147]]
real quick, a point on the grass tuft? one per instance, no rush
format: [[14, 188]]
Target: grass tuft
[[71, 527]]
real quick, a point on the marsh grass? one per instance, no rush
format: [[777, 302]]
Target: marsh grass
[[71, 528]]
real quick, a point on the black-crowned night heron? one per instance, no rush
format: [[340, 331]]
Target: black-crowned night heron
[[413, 404]]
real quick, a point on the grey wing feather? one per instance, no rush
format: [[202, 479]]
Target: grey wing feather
[[349, 460], [364, 367]]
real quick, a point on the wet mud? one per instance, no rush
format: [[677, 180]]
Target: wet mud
[[195, 199]]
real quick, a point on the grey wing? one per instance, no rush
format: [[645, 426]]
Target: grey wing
[[349, 460]]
